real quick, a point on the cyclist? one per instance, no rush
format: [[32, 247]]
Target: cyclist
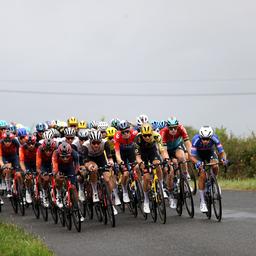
[[64, 161], [22, 133], [82, 125], [115, 123], [149, 148], [125, 152], [44, 162], [176, 139], [72, 122], [70, 134], [102, 128], [27, 154], [110, 138], [203, 149], [3, 127], [9, 158], [40, 129], [141, 119], [97, 151]]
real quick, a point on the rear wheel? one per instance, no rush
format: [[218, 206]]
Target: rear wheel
[[160, 202], [216, 199]]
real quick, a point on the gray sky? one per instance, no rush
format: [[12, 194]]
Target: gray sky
[[136, 47]]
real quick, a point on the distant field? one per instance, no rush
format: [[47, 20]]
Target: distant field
[[238, 184]]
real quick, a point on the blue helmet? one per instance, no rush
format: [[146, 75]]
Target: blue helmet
[[162, 124], [172, 122], [40, 127], [13, 128], [3, 124], [154, 124], [22, 132]]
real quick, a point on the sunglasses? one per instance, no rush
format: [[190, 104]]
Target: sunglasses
[[7, 140], [96, 142], [111, 138], [206, 139], [146, 135], [22, 137], [125, 132], [69, 138], [173, 128], [30, 143], [3, 129], [64, 157]]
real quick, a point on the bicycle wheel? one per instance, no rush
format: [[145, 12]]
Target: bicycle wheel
[[132, 205], [21, 195], [68, 218], [192, 181], [14, 200], [54, 212], [120, 194], [208, 201], [62, 217], [98, 211], [188, 198], [152, 205], [44, 211], [216, 199], [179, 197], [76, 215], [160, 202], [35, 205], [107, 202], [140, 196]]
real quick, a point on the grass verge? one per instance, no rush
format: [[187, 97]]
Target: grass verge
[[15, 241], [237, 184]]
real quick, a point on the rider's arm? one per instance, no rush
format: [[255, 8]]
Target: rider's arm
[[108, 153], [22, 158], [117, 148], [55, 165], [38, 161], [1, 156]]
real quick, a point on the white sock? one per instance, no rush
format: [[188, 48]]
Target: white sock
[[124, 189], [201, 194], [146, 197], [80, 187]]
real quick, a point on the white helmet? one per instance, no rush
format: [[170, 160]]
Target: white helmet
[[48, 134], [83, 134], [95, 135], [206, 132], [142, 119], [102, 126], [69, 131]]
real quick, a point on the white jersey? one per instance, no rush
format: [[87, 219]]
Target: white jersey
[[92, 152]]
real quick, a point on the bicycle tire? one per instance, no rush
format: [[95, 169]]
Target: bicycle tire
[[160, 201], [132, 205], [76, 215], [14, 202], [152, 205], [98, 211], [62, 217], [208, 200], [35, 207], [44, 211], [216, 199], [188, 199], [109, 216], [180, 202], [192, 182], [68, 218], [140, 197], [21, 202], [54, 212]]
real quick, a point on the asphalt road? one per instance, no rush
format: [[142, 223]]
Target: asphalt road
[[235, 235]]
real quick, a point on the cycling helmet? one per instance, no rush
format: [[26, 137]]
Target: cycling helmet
[[146, 129], [123, 125], [49, 143], [142, 119], [206, 132], [64, 149], [48, 134], [111, 131], [3, 124], [8, 136], [154, 124], [69, 131], [95, 135], [162, 124], [82, 125], [72, 121], [55, 133], [83, 134], [12, 128], [40, 127], [94, 125], [172, 122], [115, 123], [30, 139], [103, 126], [22, 132]]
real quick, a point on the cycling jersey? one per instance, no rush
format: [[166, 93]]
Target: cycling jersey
[[174, 141], [78, 146], [200, 150], [124, 144], [43, 160], [28, 157], [9, 154]]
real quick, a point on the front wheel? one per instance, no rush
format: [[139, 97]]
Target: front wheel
[[216, 199], [160, 202], [107, 206], [188, 199]]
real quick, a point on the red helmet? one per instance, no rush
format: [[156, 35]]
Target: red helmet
[[64, 149], [49, 144], [30, 139], [8, 136]]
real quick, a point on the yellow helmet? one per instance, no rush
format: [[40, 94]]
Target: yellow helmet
[[72, 121], [146, 129], [82, 125], [111, 131]]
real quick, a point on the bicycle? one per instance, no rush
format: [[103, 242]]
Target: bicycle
[[182, 192], [192, 181], [156, 196], [212, 194]]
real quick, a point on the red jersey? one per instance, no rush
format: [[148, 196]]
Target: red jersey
[[10, 151], [121, 144], [27, 156]]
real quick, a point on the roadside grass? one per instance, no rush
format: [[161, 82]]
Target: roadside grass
[[238, 184], [15, 241]]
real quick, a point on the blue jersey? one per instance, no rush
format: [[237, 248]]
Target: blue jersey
[[198, 146]]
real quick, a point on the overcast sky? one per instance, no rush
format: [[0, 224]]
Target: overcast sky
[[141, 47]]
